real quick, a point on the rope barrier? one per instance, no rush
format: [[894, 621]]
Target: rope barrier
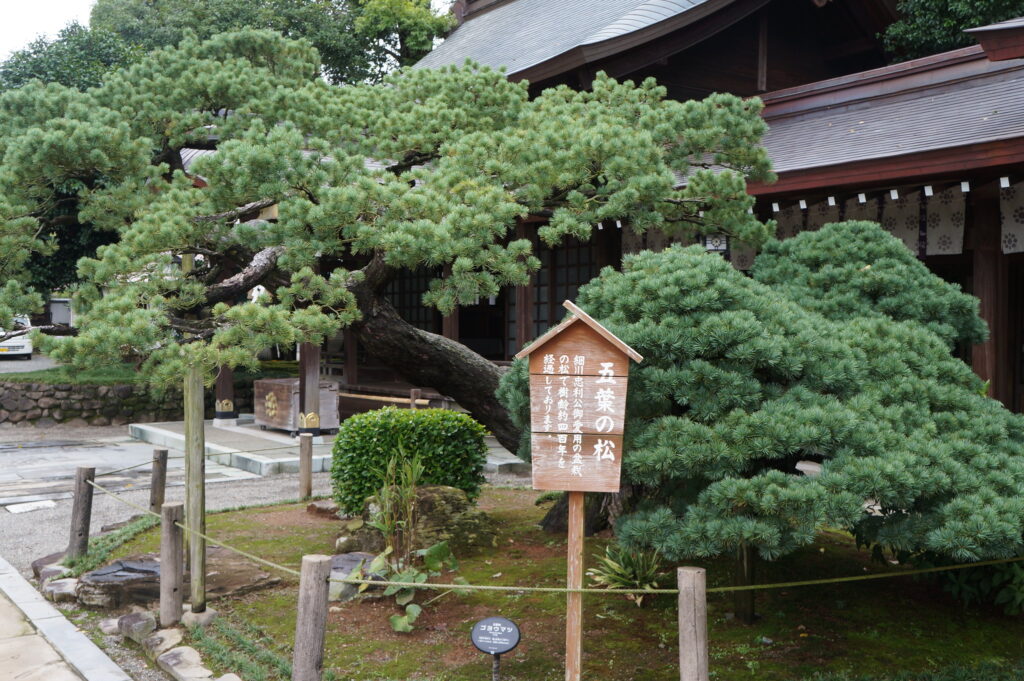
[[560, 589]]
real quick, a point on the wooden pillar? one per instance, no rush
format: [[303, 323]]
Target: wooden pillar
[[351, 357], [81, 513], [693, 624], [172, 564], [225, 395], [762, 52], [305, 466], [990, 359], [311, 618], [574, 601], [195, 485], [309, 387], [524, 303], [158, 480]]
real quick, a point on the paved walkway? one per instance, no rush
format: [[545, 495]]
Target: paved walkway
[[37, 643]]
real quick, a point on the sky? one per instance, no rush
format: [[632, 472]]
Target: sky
[[21, 21]]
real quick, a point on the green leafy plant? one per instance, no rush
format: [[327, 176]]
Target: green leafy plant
[[620, 568], [449, 444]]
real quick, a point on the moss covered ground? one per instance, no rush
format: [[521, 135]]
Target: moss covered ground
[[875, 628]]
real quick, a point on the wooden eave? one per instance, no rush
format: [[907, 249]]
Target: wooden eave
[[579, 315], [585, 54], [992, 155], [1001, 41]]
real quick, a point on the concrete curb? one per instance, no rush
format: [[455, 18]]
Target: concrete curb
[[71, 644]]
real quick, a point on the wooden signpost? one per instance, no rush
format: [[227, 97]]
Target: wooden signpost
[[579, 373]]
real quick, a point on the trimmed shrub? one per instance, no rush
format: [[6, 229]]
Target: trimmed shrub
[[449, 444]]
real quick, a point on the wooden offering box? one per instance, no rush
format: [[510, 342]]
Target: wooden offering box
[[276, 404]]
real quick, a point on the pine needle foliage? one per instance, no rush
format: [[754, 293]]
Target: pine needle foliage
[[461, 155], [741, 380]]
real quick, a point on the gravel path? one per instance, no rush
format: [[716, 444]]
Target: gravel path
[[27, 536]]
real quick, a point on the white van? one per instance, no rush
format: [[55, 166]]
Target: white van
[[21, 346]]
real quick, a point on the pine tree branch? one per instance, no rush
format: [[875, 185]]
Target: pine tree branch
[[258, 268]]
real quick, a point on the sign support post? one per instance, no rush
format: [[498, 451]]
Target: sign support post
[[579, 374]]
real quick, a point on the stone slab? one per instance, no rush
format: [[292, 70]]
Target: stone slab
[[31, 506], [32, 658]]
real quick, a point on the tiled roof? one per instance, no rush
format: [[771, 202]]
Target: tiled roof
[[984, 106], [523, 33]]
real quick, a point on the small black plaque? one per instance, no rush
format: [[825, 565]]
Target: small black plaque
[[495, 635]]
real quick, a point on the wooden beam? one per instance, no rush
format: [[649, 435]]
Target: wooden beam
[[990, 360], [309, 386]]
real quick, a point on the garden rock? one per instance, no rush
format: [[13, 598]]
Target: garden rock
[[159, 642], [341, 567], [137, 626], [197, 619], [60, 590], [184, 664], [324, 507], [109, 626], [120, 583], [230, 677], [137, 579], [442, 514], [50, 564]]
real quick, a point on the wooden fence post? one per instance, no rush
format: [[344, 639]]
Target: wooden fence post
[[305, 466], [172, 564], [693, 624], [414, 397], [158, 481], [81, 513], [195, 485], [311, 619]]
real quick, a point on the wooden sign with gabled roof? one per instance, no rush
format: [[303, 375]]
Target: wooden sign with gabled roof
[[579, 373]]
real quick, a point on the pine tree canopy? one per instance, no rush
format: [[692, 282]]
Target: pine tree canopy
[[812, 360], [461, 156]]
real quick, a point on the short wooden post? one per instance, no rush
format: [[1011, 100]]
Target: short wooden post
[[305, 466], [311, 619], [172, 564], [81, 513], [693, 624], [195, 486], [414, 396], [574, 600], [158, 481]]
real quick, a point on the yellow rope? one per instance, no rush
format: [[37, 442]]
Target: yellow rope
[[562, 589]]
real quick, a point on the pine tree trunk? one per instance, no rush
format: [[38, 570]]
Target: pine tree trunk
[[744, 575], [427, 359]]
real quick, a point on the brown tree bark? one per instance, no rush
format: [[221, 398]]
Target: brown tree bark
[[428, 359]]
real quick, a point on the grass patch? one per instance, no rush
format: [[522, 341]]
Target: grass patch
[[899, 629]]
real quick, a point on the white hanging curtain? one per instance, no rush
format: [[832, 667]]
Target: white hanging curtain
[[791, 222], [820, 214], [1011, 206], [855, 210], [946, 223], [902, 219]]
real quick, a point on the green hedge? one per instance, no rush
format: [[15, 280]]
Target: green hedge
[[450, 445]]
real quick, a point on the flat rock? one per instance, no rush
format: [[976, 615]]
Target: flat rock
[[159, 642], [137, 625], [109, 626], [341, 567], [184, 664], [39, 563], [60, 590], [52, 571], [137, 579], [230, 677], [198, 619], [323, 507]]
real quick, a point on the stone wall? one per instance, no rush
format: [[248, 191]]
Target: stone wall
[[41, 404]]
